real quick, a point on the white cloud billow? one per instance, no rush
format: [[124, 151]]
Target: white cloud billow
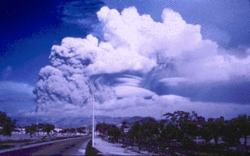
[[130, 91], [146, 37], [133, 42]]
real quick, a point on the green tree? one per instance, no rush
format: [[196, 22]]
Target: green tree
[[81, 130], [7, 124], [102, 128], [150, 132], [235, 129], [162, 124], [63, 131], [110, 130], [114, 132], [216, 127], [31, 130], [150, 129], [242, 122], [205, 132], [169, 133], [47, 128], [187, 125], [174, 119], [71, 131], [136, 134], [231, 133]]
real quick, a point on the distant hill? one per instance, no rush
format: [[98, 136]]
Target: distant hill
[[141, 120], [72, 122], [69, 122]]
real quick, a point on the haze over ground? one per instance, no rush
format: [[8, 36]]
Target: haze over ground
[[144, 58]]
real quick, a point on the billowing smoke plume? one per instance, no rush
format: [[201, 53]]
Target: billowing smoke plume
[[169, 52]]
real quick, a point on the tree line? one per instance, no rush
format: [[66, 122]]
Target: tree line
[[7, 126], [179, 129], [49, 128], [184, 127], [33, 129]]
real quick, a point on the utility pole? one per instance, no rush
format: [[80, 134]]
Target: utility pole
[[93, 126], [93, 114], [93, 110]]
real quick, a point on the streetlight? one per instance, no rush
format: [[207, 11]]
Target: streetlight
[[93, 114]]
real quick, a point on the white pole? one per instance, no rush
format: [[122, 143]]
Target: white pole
[[93, 114], [93, 126]]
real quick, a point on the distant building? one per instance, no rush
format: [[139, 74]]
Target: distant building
[[126, 130], [58, 129]]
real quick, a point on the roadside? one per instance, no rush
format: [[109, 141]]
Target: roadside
[[106, 148], [83, 148], [91, 150], [103, 147]]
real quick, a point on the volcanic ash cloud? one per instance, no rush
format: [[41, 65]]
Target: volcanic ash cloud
[[133, 42]]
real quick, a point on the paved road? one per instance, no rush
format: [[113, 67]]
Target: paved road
[[69, 147]]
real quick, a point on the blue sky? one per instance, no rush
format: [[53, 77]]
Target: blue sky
[[30, 29]]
